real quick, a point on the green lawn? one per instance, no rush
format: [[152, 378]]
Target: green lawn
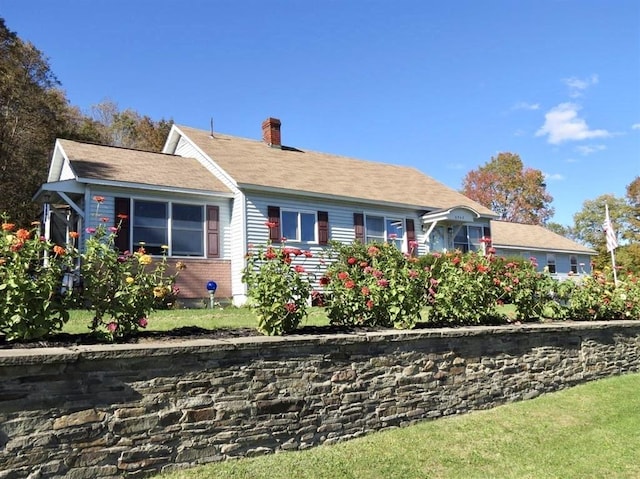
[[165, 320], [589, 431]]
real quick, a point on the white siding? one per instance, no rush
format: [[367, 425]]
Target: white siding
[[66, 173], [94, 211], [237, 229], [341, 226]]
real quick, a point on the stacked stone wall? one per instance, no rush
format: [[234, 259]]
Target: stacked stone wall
[[133, 410]]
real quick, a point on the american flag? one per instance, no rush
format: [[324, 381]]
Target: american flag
[[612, 242]]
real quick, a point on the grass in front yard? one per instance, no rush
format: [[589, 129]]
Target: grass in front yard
[[592, 430], [216, 318]]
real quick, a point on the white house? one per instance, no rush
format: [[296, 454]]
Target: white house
[[209, 195]]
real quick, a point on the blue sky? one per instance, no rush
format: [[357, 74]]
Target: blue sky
[[440, 86]]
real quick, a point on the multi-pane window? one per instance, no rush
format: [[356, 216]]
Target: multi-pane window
[[299, 226], [178, 226], [383, 229], [551, 262], [468, 239], [573, 260]]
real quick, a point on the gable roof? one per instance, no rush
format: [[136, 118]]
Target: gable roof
[[123, 165], [253, 163], [532, 237]]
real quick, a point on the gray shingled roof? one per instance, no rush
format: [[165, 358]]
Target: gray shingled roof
[[109, 163], [515, 235], [254, 163]]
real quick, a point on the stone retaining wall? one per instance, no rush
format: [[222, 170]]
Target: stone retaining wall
[[131, 410]]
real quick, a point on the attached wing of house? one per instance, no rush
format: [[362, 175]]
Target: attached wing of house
[[560, 255]]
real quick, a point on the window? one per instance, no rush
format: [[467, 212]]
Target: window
[[186, 230], [383, 229], [299, 226], [574, 264], [551, 263], [176, 225], [468, 238]]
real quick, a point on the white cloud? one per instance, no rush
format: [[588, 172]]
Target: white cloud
[[587, 150], [577, 86], [635, 126], [523, 105], [562, 123], [553, 176]]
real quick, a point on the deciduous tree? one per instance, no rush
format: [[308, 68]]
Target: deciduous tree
[[515, 192]]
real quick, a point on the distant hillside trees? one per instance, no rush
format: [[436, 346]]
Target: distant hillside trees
[[34, 111]]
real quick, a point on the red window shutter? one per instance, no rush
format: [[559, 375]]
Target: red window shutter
[[358, 224], [411, 236], [273, 212], [123, 218], [213, 232], [323, 227]]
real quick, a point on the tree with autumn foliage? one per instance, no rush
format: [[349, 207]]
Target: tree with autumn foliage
[[515, 192]]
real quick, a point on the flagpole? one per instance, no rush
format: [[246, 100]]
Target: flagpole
[[613, 264], [612, 242]]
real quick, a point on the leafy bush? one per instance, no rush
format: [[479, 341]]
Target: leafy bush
[[121, 289], [373, 284], [597, 297], [32, 304], [461, 288], [278, 290]]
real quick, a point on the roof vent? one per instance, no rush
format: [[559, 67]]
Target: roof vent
[[271, 132]]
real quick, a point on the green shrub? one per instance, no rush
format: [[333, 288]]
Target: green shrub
[[277, 290], [32, 304], [373, 285]]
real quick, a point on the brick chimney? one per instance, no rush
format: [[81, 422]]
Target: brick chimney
[[271, 132]]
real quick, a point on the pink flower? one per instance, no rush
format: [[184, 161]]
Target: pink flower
[[365, 291], [377, 273], [142, 322], [370, 304], [112, 326], [299, 269], [373, 250], [363, 264], [413, 274], [307, 254], [113, 229], [383, 283], [90, 230]]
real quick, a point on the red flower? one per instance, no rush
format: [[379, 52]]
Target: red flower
[[59, 250], [307, 254], [324, 281], [370, 304], [104, 219], [270, 254], [456, 259], [98, 199], [350, 284], [383, 283], [365, 291], [291, 307], [352, 260], [299, 269], [343, 275], [8, 226], [122, 216]]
